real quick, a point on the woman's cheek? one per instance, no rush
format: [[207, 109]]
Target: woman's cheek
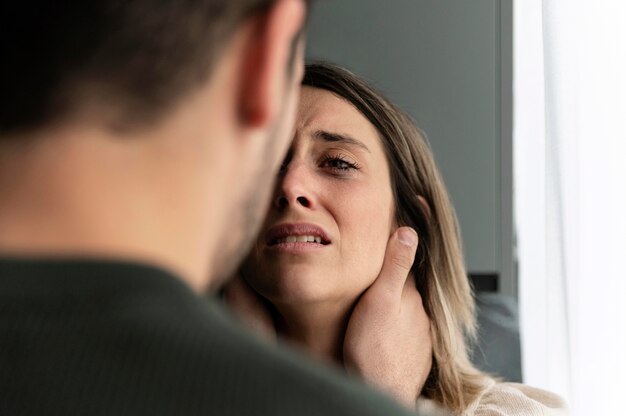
[[369, 253]]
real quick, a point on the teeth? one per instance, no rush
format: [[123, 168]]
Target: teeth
[[300, 239]]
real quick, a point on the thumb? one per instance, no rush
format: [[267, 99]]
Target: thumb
[[399, 258]]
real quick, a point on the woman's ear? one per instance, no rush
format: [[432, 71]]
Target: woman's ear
[[425, 205]]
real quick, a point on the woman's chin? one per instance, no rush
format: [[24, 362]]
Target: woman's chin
[[298, 292], [306, 284]]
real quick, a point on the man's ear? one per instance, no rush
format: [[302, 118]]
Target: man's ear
[[268, 49]]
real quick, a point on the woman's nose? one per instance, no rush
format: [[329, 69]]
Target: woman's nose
[[293, 188]]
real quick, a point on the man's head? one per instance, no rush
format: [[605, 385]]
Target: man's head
[[165, 120], [141, 56]]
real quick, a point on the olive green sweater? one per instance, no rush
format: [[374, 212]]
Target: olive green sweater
[[111, 338]]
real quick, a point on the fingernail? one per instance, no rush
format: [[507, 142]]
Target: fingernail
[[407, 236]]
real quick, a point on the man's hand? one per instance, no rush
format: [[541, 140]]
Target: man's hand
[[388, 341], [248, 306]]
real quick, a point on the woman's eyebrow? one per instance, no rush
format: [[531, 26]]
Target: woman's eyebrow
[[339, 138]]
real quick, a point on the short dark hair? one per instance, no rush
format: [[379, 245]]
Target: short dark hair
[[136, 56]]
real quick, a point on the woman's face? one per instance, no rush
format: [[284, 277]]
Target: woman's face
[[335, 189]]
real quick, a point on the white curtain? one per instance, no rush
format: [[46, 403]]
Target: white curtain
[[570, 198]]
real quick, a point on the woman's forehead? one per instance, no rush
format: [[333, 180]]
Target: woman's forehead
[[321, 110]]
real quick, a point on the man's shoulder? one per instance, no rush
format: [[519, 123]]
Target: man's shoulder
[[213, 364], [255, 377], [98, 339]]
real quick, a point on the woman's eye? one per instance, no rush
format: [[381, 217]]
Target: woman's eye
[[339, 163]]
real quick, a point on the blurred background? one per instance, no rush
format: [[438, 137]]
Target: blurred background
[[523, 103]]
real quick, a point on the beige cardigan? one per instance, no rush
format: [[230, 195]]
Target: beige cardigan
[[508, 399]]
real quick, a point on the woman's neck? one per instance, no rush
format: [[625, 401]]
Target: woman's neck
[[318, 327]]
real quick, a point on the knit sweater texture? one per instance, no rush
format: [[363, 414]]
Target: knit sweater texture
[[504, 399], [93, 337]]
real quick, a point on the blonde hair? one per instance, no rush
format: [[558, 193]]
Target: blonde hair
[[422, 202]]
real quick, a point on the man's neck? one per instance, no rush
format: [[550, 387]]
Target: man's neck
[[60, 200]]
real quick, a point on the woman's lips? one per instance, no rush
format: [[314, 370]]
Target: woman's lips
[[296, 237]]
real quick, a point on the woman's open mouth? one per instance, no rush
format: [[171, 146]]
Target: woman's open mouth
[[296, 236], [297, 239]]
